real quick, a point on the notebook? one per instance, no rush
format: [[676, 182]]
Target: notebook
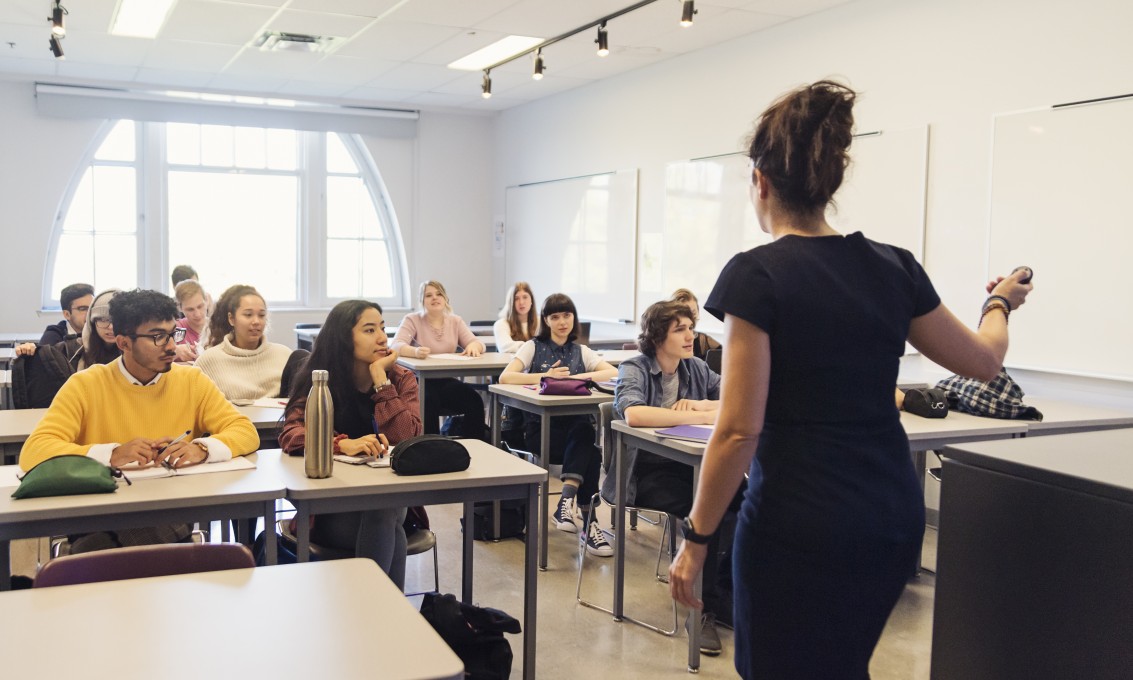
[[692, 433], [151, 472]]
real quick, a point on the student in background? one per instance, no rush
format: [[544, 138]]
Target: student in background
[[100, 344], [128, 412], [434, 329], [194, 308], [704, 342], [75, 301], [240, 360], [554, 353], [518, 321], [375, 407], [183, 272], [833, 517], [664, 386]]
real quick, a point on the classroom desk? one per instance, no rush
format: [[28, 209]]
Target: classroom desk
[[145, 503], [546, 407], [16, 426], [1034, 559], [1063, 417], [492, 475], [483, 366], [687, 452], [342, 619]]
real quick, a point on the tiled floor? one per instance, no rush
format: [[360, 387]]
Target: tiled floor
[[574, 641]]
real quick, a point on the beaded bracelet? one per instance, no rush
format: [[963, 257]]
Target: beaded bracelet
[[995, 304], [340, 437], [1002, 299]]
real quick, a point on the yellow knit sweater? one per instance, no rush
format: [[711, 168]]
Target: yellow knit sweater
[[100, 406]]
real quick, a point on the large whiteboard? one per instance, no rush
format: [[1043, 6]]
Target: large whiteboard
[[1060, 183], [576, 236], [709, 218]]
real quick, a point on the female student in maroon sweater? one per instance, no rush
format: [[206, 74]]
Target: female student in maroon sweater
[[368, 388]]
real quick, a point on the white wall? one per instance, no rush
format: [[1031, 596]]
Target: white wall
[[440, 187], [949, 64]]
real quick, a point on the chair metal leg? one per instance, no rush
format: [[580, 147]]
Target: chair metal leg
[[594, 502]]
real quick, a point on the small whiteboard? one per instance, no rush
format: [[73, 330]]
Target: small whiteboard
[[709, 217], [1060, 184], [576, 236]]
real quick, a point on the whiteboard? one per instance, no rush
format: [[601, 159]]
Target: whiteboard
[[576, 236], [1059, 187], [709, 217]]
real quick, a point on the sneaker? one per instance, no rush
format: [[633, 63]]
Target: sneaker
[[564, 515], [709, 636], [596, 543]]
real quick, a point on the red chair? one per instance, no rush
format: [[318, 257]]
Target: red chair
[[143, 561], [629, 345]]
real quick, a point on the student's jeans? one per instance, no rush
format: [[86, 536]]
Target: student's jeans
[[376, 534], [451, 397], [572, 446], [667, 486]]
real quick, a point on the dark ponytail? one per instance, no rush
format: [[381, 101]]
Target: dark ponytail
[[800, 144]]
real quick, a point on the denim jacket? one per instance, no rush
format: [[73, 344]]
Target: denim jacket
[[639, 384]]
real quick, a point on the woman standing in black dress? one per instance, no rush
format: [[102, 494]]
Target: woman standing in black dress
[[815, 324]]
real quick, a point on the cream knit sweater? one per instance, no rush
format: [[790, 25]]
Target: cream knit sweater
[[245, 373]]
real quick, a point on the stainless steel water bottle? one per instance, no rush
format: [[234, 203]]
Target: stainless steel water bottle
[[318, 454]]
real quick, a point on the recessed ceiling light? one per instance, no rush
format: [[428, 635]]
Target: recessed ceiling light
[[496, 52], [140, 18]]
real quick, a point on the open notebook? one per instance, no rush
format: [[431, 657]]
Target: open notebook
[[692, 433], [152, 472]]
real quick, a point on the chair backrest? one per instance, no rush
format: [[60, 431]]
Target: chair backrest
[[606, 416], [629, 345], [714, 358], [143, 561], [290, 369]]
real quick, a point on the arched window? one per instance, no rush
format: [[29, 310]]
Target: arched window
[[303, 216]]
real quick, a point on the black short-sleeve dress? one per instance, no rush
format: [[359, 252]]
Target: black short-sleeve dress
[[829, 537]]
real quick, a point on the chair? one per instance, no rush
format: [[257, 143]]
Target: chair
[[294, 364], [36, 378], [629, 345], [714, 358], [420, 541], [144, 561], [668, 530]]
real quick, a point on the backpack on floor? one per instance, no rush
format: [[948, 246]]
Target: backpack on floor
[[476, 634]]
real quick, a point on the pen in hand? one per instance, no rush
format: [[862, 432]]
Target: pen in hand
[[374, 421], [165, 463]]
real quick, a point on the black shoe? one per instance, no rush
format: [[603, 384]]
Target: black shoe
[[709, 637]]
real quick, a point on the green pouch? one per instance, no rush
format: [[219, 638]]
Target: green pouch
[[66, 476]]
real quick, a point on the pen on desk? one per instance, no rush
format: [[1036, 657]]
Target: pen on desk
[[165, 463]]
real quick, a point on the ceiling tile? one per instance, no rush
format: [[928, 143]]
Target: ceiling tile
[[353, 71], [542, 19], [244, 84], [30, 42], [442, 99], [396, 40], [534, 89], [378, 94], [107, 72], [458, 13], [39, 67], [173, 55], [420, 77], [283, 64], [319, 23], [714, 29], [792, 8], [216, 22], [307, 88], [97, 48], [165, 79], [617, 62], [460, 45], [361, 8]]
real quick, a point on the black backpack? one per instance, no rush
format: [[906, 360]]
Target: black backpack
[[476, 634], [36, 379]]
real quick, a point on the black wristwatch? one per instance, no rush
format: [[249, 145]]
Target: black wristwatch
[[690, 534]]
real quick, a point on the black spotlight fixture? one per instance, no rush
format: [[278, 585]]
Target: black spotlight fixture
[[56, 47], [537, 74], [56, 19], [603, 40], [687, 11], [486, 88]]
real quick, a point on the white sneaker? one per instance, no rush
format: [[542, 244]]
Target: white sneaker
[[596, 543], [564, 515]]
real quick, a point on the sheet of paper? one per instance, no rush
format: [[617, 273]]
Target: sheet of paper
[[449, 355], [270, 402], [8, 475], [239, 463]]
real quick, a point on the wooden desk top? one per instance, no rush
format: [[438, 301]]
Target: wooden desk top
[[489, 466], [487, 363], [530, 396], [341, 619]]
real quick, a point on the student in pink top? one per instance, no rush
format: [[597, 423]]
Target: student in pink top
[[436, 330], [193, 302]]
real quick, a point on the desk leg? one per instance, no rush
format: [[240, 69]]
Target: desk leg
[[530, 588], [545, 461], [5, 565], [466, 572], [302, 532], [694, 614], [496, 411], [920, 464], [619, 525], [270, 549]]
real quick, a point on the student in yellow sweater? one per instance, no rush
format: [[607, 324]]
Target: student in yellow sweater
[[124, 413]]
